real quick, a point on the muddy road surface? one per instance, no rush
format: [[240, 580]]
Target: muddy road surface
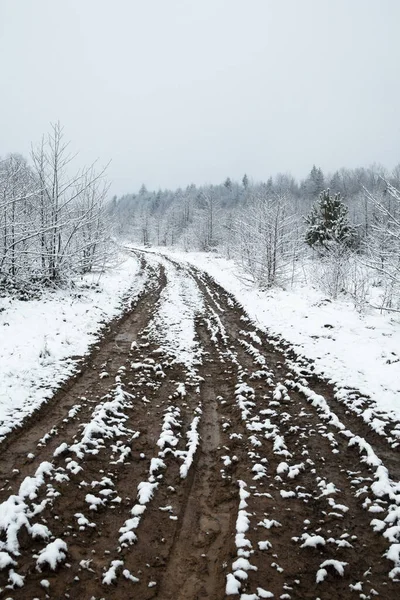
[[194, 457]]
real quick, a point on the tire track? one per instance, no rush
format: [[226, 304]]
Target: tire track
[[222, 465]]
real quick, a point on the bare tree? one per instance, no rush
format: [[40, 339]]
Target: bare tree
[[383, 243], [53, 224], [71, 208], [17, 191], [265, 232]]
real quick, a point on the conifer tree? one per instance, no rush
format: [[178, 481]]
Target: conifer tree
[[316, 181], [328, 223], [228, 183]]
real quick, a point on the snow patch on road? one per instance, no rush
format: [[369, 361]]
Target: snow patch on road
[[173, 326]]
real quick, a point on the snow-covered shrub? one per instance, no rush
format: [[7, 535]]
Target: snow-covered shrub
[[330, 273], [382, 244], [358, 284], [44, 351]]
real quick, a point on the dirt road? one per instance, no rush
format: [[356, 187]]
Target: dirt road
[[193, 457]]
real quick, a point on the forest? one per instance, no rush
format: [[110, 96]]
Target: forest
[[339, 232]]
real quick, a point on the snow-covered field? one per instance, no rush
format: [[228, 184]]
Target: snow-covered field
[[352, 350], [40, 337]]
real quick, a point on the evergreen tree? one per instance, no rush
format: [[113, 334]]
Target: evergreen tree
[[245, 181], [328, 223], [316, 182], [336, 184], [228, 183], [270, 185]]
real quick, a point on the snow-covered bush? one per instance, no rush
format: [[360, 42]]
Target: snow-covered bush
[[358, 283], [382, 244], [330, 272]]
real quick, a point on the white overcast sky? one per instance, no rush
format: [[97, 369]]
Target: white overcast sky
[[181, 91]]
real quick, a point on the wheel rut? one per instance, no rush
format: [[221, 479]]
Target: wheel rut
[[187, 468]]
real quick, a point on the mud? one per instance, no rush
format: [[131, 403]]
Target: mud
[[187, 541]]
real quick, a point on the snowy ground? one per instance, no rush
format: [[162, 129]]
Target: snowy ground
[[193, 458], [39, 337], [352, 350]]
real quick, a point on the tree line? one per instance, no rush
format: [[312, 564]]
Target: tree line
[[340, 230], [344, 226]]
